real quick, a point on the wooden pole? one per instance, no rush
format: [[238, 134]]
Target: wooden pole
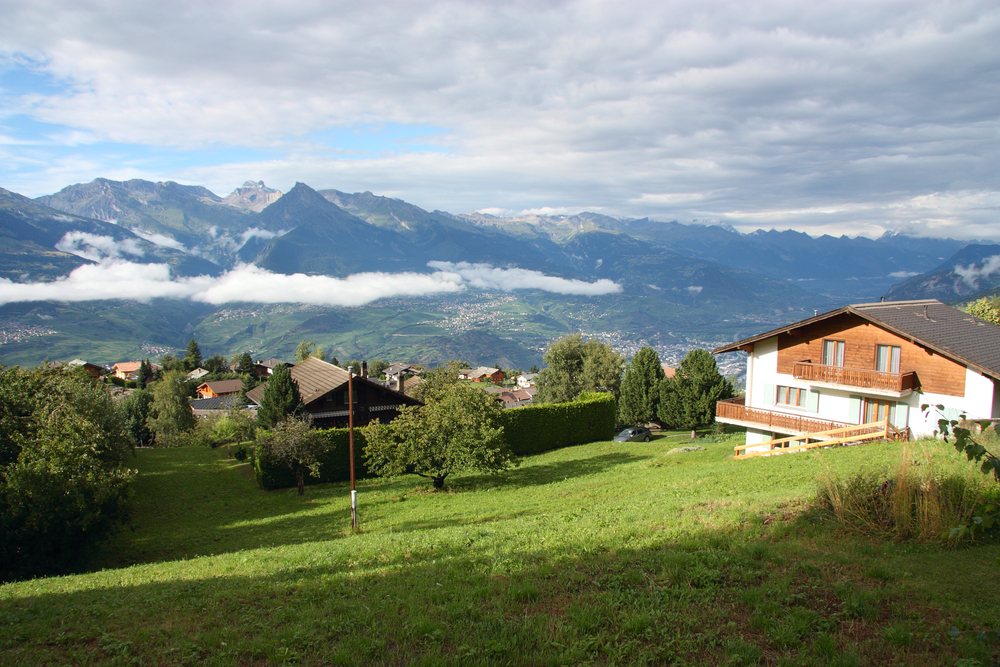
[[350, 438]]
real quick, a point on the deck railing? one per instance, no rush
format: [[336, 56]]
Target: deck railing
[[736, 410], [847, 435], [859, 378]]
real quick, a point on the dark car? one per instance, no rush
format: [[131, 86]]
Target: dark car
[[634, 434]]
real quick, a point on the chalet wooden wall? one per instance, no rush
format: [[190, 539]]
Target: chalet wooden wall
[[935, 374]]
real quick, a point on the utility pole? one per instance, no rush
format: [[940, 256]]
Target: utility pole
[[350, 429]]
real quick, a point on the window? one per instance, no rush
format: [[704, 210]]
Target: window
[[887, 358], [875, 410], [793, 396], [833, 353]]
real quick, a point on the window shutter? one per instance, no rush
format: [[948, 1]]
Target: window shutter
[[769, 394], [901, 419], [854, 415], [812, 401]]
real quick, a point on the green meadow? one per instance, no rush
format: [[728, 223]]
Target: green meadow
[[601, 554]]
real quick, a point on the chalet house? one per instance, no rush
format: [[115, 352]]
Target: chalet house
[[197, 374], [129, 370], [323, 388], [264, 368], [482, 374], [219, 388], [866, 363], [205, 407], [526, 380]]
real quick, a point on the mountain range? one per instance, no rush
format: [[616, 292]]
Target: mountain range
[[677, 281]]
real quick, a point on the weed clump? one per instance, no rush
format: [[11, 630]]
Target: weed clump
[[915, 502]]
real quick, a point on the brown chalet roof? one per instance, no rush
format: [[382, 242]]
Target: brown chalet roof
[[928, 322], [315, 379], [223, 386]]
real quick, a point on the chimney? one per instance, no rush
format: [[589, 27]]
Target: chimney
[[401, 384], [364, 369]]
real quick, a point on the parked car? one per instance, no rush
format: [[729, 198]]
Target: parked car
[[634, 434]]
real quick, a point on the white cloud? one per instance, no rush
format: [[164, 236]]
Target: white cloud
[[96, 247], [827, 117], [160, 240], [970, 275], [903, 274], [116, 279], [484, 276], [255, 232]]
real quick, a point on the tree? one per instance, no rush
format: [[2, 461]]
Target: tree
[[216, 364], [281, 398], [171, 414], [688, 399], [64, 485], [987, 308], [458, 431], [354, 366], [640, 394], [144, 375], [244, 364], [294, 442], [574, 366], [437, 382], [376, 367], [308, 348], [533, 369], [171, 363], [138, 407], [192, 357]]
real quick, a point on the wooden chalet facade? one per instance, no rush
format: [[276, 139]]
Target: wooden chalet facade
[[219, 388], [867, 363], [323, 388]]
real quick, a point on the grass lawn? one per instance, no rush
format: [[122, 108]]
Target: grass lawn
[[600, 554]]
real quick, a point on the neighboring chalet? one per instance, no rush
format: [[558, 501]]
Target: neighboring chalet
[[219, 388], [93, 370], [865, 364], [526, 380], [266, 367], [206, 407], [129, 370], [323, 388], [482, 374], [197, 374]]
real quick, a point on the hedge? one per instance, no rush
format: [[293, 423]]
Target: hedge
[[334, 466], [539, 428], [529, 430]]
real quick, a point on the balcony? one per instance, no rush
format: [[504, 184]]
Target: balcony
[[734, 411], [880, 383]]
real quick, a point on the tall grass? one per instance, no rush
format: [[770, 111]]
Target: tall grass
[[917, 501]]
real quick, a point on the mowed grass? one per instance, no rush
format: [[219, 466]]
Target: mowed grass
[[600, 554]]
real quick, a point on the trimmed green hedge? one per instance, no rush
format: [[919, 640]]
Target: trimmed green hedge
[[335, 464], [529, 430], [539, 428]]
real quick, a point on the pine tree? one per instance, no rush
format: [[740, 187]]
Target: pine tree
[[688, 399], [281, 398], [244, 364], [192, 358], [145, 374], [640, 395]]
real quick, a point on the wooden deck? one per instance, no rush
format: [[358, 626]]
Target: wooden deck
[[847, 435], [857, 378], [735, 410]]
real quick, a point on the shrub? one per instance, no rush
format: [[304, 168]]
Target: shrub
[[334, 462], [538, 428]]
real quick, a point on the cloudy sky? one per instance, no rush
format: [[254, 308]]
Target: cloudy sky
[[846, 117]]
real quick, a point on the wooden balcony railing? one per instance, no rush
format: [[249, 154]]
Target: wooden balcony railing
[[736, 410], [858, 378]]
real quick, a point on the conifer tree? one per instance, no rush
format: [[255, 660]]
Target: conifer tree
[[192, 357], [688, 399], [281, 398], [640, 395]]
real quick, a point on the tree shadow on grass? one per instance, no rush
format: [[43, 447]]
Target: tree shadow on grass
[[535, 475]]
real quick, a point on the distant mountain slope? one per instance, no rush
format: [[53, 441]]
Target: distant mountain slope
[[252, 196], [326, 239], [30, 232], [450, 238], [191, 216], [973, 270]]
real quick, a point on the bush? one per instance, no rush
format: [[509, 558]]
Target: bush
[[64, 486], [539, 428], [334, 462], [528, 430]]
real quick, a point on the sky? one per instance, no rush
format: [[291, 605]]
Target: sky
[[840, 118]]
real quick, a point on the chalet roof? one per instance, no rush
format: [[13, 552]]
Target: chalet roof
[[271, 363], [928, 322], [315, 379], [127, 366], [216, 402], [396, 369], [223, 386]]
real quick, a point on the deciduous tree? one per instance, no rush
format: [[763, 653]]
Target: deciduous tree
[[294, 442], [574, 366], [171, 415], [458, 431]]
